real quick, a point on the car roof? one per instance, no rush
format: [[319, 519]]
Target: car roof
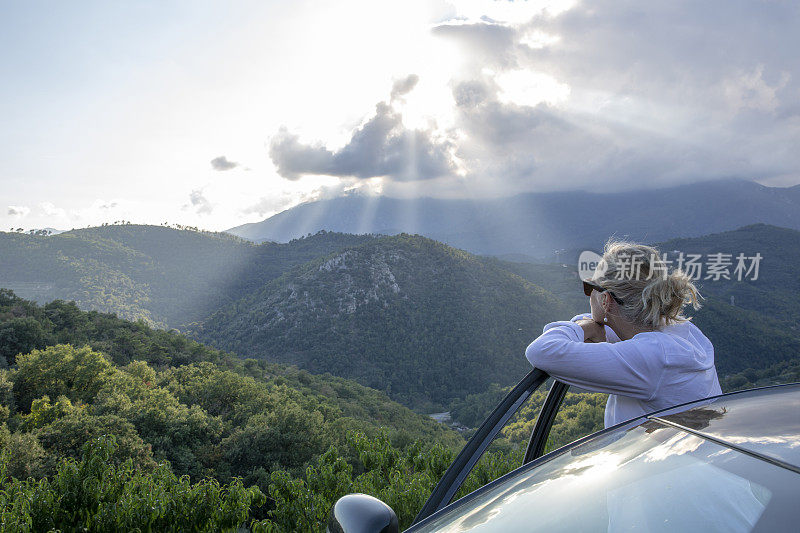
[[761, 422]]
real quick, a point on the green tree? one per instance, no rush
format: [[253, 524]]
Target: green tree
[[61, 370], [20, 335]]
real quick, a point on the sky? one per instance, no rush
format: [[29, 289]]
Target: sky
[[214, 114]]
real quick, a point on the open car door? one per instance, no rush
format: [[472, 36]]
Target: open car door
[[471, 453]]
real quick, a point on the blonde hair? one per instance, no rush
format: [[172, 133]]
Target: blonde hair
[[652, 296]]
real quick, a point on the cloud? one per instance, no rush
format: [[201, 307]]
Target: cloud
[[280, 201], [221, 164], [509, 148], [611, 95], [677, 52], [404, 86], [380, 147], [750, 91], [604, 95], [18, 210], [268, 205], [486, 44], [50, 210], [200, 202]]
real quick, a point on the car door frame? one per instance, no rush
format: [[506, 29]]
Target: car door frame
[[466, 460]]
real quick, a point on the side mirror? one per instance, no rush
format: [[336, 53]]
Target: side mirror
[[360, 513]]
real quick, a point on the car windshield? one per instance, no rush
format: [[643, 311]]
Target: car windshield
[[648, 478]]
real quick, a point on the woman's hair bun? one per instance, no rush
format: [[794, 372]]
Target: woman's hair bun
[[664, 297], [653, 296]]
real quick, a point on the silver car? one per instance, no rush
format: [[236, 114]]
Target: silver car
[[728, 463]]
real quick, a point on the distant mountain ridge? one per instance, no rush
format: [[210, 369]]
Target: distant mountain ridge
[[776, 290], [536, 224], [165, 276]]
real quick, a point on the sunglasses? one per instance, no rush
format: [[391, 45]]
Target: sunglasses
[[588, 287]]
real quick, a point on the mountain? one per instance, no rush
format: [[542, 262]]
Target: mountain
[[164, 276], [775, 290], [406, 315], [421, 320], [536, 224]]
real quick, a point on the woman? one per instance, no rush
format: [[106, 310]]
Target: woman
[[636, 345]]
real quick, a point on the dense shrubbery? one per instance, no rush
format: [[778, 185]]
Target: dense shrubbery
[[405, 478], [173, 405], [401, 478], [779, 373], [203, 419], [581, 413], [211, 426], [25, 326], [97, 493]]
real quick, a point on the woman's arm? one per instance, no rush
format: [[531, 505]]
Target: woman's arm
[[631, 368]]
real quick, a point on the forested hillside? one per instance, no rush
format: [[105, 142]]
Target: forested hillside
[[167, 277], [75, 377], [775, 293], [424, 322], [414, 318], [86, 396]]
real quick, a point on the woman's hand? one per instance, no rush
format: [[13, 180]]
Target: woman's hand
[[592, 331]]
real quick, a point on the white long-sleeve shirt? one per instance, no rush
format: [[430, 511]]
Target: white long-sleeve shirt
[[651, 371]]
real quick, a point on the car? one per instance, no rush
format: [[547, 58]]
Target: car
[[725, 463]]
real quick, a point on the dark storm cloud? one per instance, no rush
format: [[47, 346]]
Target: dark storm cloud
[[221, 163], [380, 147]]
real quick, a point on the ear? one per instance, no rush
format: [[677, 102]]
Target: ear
[[606, 301]]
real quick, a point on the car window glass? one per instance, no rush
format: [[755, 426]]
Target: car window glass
[[649, 478], [580, 414]]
